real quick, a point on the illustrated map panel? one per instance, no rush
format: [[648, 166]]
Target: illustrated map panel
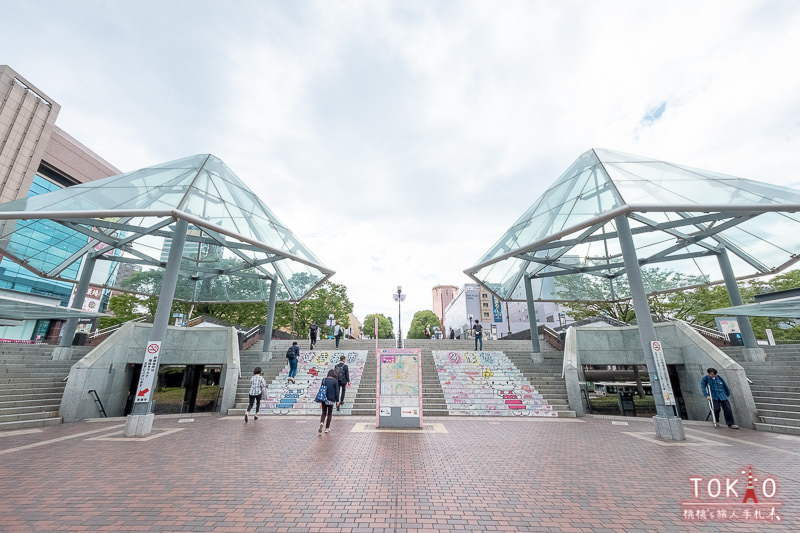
[[487, 383], [284, 397], [399, 402]]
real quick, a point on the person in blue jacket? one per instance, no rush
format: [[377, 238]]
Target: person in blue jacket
[[715, 388]]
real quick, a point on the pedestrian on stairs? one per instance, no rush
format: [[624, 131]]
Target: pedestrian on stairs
[[293, 354], [258, 385], [342, 372], [478, 329], [313, 329], [338, 333]]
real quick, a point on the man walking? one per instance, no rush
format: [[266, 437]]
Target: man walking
[[478, 329], [293, 354], [312, 332], [338, 333], [342, 373], [715, 389]]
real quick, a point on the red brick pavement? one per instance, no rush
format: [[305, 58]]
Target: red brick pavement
[[279, 474]]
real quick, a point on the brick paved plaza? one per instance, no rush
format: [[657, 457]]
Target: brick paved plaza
[[212, 473]]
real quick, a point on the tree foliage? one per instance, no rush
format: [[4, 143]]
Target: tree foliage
[[421, 319], [330, 298], [687, 305], [125, 307], [385, 326]]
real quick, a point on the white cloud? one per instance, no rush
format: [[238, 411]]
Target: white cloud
[[399, 140]]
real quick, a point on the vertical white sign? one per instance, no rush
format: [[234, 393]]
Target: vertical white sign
[[149, 370], [662, 373], [770, 337]]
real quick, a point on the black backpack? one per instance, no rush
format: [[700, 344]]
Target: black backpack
[[290, 354], [338, 371]]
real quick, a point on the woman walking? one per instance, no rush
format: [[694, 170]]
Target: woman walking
[[331, 399], [257, 387]]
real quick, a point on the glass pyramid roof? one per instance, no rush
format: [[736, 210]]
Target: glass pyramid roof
[[235, 247], [681, 218]]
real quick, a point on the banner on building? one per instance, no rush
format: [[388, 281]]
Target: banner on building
[[498, 310]]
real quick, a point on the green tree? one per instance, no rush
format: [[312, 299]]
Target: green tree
[[124, 306], [329, 299], [385, 326], [418, 323]]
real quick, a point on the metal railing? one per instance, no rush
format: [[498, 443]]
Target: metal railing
[[111, 329], [553, 338]]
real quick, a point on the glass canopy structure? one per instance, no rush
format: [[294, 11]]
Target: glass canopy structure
[[681, 220], [235, 247]]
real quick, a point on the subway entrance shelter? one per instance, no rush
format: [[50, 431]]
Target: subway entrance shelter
[[617, 227], [190, 230]]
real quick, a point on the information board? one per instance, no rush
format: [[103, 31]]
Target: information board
[[399, 394]]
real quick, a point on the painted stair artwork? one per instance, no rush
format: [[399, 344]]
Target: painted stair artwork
[[297, 398], [487, 383]]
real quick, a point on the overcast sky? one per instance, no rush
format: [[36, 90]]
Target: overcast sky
[[400, 140]]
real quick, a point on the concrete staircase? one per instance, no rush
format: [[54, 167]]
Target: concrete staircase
[[32, 384], [298, 398], [545, 377], [775, 387]]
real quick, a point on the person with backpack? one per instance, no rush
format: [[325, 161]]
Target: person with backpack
[[312, 331], [342, 373], [326, 396], [338, 333], [257, 387], [293, 354], [478, 329]]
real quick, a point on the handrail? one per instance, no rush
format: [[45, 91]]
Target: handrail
[[552, 337], [115, 327], [97, 399], [711, 334]]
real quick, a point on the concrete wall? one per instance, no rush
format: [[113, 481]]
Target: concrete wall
[[27, 118], [689, 351], [108, 368]]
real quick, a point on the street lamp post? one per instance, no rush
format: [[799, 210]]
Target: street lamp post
[[399, 297]]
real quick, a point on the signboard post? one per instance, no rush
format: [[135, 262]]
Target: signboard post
[[662, 374], [399, 400], [149, 368]]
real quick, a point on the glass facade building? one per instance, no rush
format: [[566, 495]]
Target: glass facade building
[[47, 239]]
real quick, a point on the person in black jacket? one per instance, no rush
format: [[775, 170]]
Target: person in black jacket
[[342, 373], [332, 395]]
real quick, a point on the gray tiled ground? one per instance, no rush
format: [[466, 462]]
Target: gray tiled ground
[[279, 474]]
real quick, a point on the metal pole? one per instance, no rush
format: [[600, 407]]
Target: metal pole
[[161, 320], [532, 315], [68, 331], [399, 319], [748, 337], [647, 331], [273, 293]]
